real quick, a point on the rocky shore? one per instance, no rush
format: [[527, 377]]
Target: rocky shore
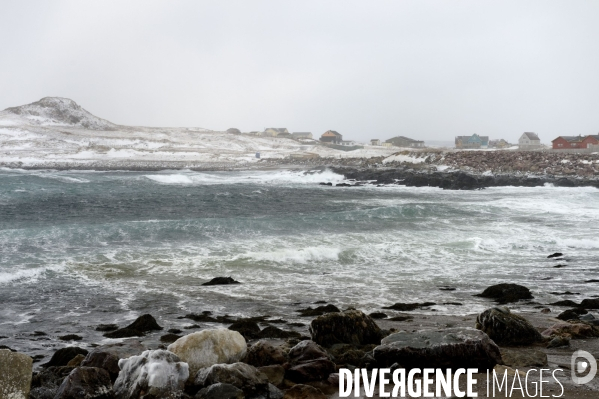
[[261, 357]]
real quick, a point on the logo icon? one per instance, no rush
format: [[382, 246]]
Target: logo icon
[[580, 366]]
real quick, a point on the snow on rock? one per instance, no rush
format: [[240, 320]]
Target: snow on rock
[[58, 111], [156, 373], [205, 348], [404, 158]]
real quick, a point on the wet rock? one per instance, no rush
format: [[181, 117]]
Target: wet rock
[[570, 314], [590, 304], [169, 338], [506, 328], [451, 348], [574, 329], [265, 353], [248, 328], [86, 383], [63, 356], [406, 307], [241, 375], [76, 361], [205, 348], [545, 310], [304, 392], [15, 374], [565, 293], [587, 317], [275, 373], [555, 255], [378, 315], [403, 317], [506, 293], [71, 337], [104, 360], [318, 311], [220, 391], [523, 358], [558, 342], [350, 355], [157, 374], [143, 324], [107, 327], [348, 327], [221, 281], [45, 383], [275, 332], [310, 362]]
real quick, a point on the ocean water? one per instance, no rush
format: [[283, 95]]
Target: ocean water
[[82, 248]]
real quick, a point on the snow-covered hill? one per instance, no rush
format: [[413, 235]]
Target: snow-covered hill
[[57, 133]]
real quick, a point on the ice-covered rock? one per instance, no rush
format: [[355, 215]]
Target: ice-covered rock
[[205, 348], [159, 373], [15, 374]]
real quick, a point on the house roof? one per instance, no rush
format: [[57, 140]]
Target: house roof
[[403, 138], [330, 133], [569, 138], [277, 129], [531, 136]]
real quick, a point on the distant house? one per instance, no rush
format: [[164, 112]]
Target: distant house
[[575, 142], [301, 135], [348, 142], [375, 142], [501, 143], [331, 136], [233, 131], [274, 131], [529, 141], [474, 141], [286, 135], [401, 141], [385, 144]]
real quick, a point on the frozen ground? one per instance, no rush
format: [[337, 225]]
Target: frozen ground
[[56, 132]]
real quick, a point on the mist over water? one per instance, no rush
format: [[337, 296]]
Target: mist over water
[[82, 248]]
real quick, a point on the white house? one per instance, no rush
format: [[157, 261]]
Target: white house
[[529, 141]]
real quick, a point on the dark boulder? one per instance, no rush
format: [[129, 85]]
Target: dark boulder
[[103, 360], [451, 348], [406, 307], [566, 302], [309, 362], [241, 375], [63, 356], [378, 315], [571, 314], [555, 255], [143, 324], [248, 328], [506, 293], [348, 327], [221, 281], [70, 337], [169, 338], [86, 383], [306, 351], [506, 328], [590, 303], [265, 353], [275, 332], [220, 391]]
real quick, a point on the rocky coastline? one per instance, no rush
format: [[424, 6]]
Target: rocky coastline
[[262, 357]]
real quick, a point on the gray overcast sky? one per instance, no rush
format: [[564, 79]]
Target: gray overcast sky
[[424, 69]]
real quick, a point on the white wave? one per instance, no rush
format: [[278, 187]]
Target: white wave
[[171, 179], [305, 255], [581, 243]]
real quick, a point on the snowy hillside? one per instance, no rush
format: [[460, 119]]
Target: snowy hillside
[[57, 132]]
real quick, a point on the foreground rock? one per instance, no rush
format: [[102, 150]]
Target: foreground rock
[[304, 392], [86, 383], [241, 375], [506, 328], [348, 327], [572, 329], [310, 362], [452, 348], [138, 328], [103, 360], [205, 348], [266, 353], [63, 356], [523, 358], [506, 293], [157, 374], [220, 391], [15, 374], [45, 383]]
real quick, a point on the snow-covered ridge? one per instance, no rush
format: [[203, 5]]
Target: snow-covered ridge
[[54, 111], [58, 133]]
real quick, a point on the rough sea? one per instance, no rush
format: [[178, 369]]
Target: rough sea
[[78, 249]]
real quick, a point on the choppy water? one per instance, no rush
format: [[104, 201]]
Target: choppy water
[[82, 248]]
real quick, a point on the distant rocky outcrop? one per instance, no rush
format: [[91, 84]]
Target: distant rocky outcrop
[[59, 111]]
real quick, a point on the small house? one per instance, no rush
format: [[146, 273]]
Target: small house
[[402, 141], [529, 141], [472, 142], [331, 136], [375, 142], [302, 135], [274, 131]]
